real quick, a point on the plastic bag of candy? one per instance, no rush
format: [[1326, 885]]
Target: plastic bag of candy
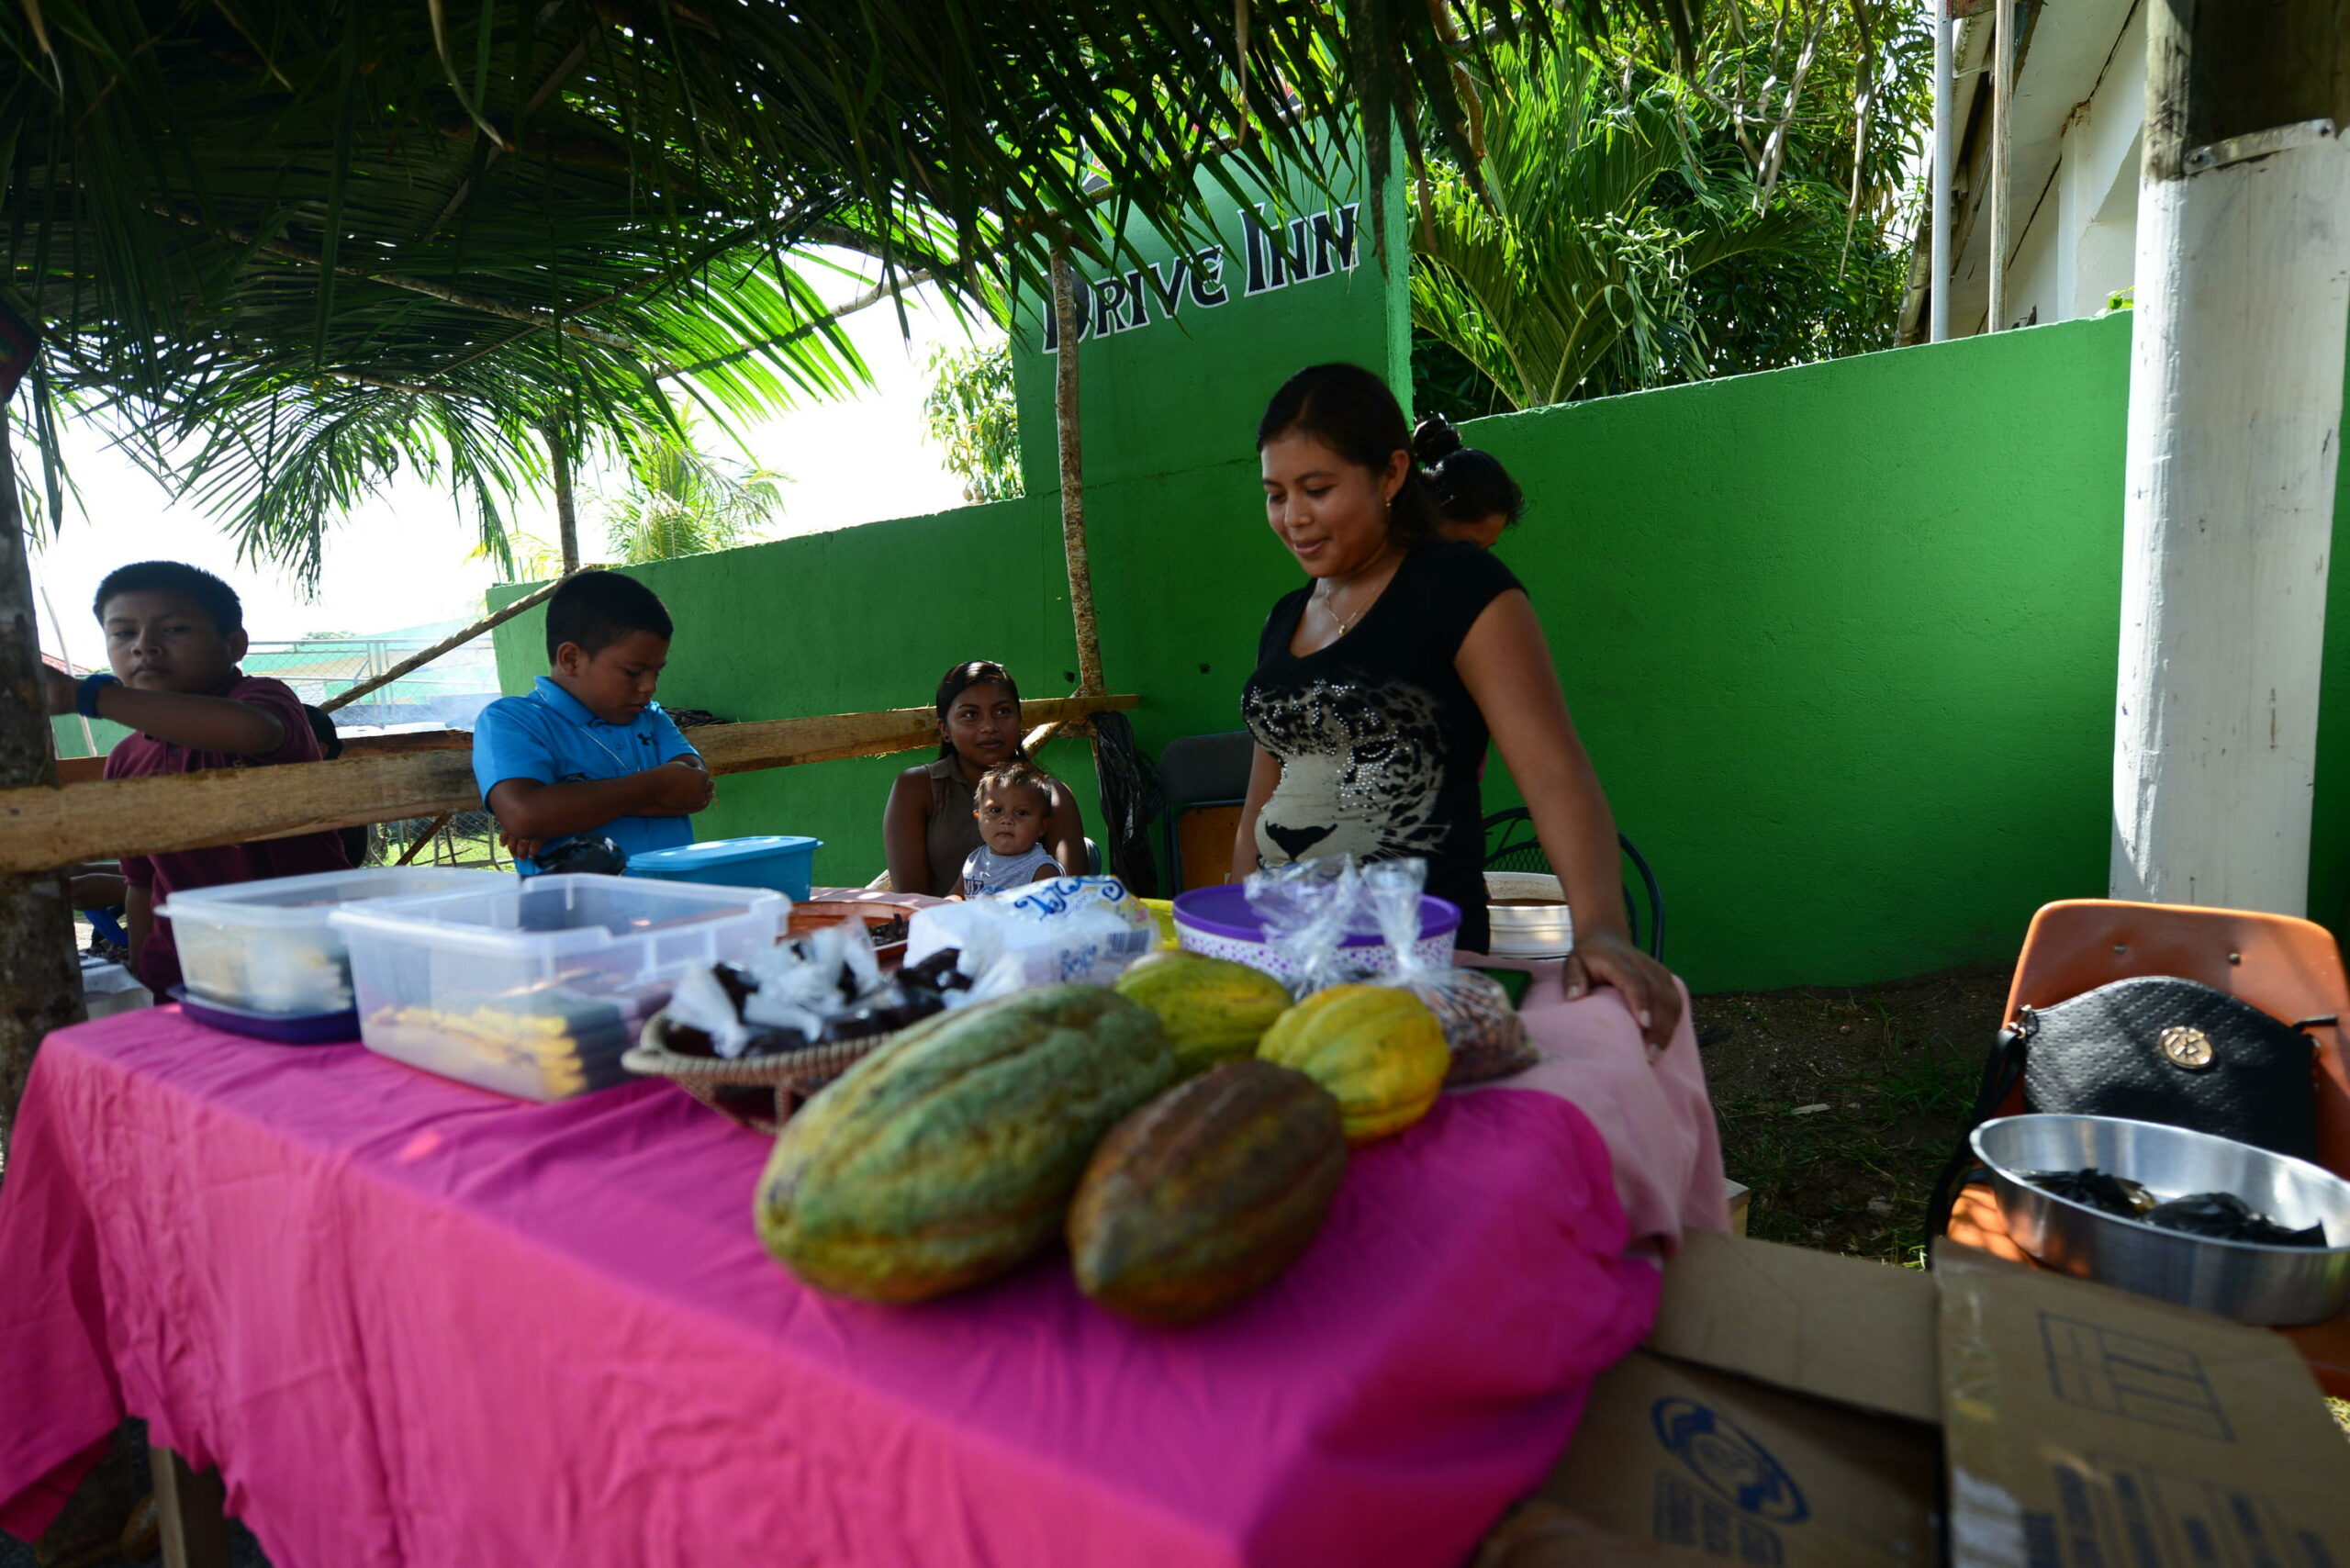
[[1486, 1036]]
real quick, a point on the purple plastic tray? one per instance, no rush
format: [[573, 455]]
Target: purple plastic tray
[[284, 1028], [1224, 911]]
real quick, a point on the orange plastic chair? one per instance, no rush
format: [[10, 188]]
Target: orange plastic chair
[[2289, 968]]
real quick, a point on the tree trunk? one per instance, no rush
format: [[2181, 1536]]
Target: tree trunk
[[1081, 570], [40, 979], [2235, 406], [567, 516]]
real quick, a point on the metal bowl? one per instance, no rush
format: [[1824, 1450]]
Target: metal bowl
[[1537, 926], [2241, 1280]]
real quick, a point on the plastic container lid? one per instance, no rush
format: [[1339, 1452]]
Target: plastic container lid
[[295, 901], [1224, 911], [592, 913], [723, 851]]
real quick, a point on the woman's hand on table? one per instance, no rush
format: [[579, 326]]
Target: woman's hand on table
[[1605, 958]]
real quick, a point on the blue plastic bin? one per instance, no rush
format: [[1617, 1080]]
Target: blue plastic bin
[[782, 861]]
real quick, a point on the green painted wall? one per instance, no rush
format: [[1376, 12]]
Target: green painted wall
[[1847, 674], [1842, 638], [845, 623], [871, 617]]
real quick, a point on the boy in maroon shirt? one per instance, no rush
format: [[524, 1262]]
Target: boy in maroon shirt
[[173, 635]]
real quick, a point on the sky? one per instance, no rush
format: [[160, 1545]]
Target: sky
[[402, 559]]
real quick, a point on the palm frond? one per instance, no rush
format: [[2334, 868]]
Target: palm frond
[[347, 232]]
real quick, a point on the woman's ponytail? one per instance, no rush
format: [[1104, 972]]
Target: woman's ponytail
[[1468, 486]]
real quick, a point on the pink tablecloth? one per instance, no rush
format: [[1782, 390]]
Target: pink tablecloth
[[1651, 1107], [415, 1324]]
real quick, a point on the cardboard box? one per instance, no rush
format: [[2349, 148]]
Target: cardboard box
[[1796, 1410]]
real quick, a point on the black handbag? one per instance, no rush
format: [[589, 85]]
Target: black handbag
[[2151, 1049]]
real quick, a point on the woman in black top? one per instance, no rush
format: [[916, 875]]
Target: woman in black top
[[1375, 683]]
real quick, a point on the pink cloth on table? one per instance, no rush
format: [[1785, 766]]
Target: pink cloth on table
[[416, 1324], [1651, 1107]]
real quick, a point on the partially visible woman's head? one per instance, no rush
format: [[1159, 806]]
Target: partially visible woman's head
[[1472, 489], [978, 714], [1340, 485]]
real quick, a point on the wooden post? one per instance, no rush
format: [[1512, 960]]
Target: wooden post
[[2003, 92], [567, 517], [1940, 223], [40, 979], [188, 1511], [2235, 409], [43, 827], [1064, 416]]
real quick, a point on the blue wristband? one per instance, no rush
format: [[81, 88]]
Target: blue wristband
[[86, 695]]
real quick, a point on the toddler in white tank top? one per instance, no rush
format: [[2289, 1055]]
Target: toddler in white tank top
[[1014, 802]]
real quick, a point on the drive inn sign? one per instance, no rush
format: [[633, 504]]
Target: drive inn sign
[[1272, 255]]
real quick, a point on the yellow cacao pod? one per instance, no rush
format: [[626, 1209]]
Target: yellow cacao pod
[[1377, 1048]]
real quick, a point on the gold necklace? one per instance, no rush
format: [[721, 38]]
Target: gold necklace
[[1330, 607]]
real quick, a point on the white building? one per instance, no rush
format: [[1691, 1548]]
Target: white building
[[2075, 138]]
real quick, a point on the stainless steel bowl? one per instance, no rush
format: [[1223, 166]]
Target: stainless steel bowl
[[1538, 928], [2241, 1280]]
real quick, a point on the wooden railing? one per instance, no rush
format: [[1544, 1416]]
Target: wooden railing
[[399, 776]]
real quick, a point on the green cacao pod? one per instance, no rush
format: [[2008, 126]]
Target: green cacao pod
[[1213, 1009], [949, 1155], [1377, 1048], [1204, 1196]]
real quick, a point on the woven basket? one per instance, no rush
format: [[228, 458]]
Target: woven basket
[[760, 1092]]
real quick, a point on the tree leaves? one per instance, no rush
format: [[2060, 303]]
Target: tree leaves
[[306, 243], [972, 415], [681, 502], [1652, 219]]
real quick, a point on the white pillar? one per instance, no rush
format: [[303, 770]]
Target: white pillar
[[2235, 407]]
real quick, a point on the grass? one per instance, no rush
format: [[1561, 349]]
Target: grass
[[1838, 1105]]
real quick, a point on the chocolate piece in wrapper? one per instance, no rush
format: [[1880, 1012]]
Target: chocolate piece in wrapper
[[2223, 1216], [2100, 1190]]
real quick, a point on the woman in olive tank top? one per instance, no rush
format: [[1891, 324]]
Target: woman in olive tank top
[[928, 828]]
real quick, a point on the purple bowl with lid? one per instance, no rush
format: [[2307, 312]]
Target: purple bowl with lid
[[1217, 922]]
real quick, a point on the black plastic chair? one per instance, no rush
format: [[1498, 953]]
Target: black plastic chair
[[1518, 849], [1195, 771]]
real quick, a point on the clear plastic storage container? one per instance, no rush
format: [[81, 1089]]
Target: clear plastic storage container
[[535, 989], [266, 947]]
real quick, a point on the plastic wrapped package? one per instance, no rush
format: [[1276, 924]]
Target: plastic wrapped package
[[1083, 930], [1482, 1031], [1307, 907], [824, 987]]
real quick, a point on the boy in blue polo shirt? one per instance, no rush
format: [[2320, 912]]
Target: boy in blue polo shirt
[[589, 750]]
